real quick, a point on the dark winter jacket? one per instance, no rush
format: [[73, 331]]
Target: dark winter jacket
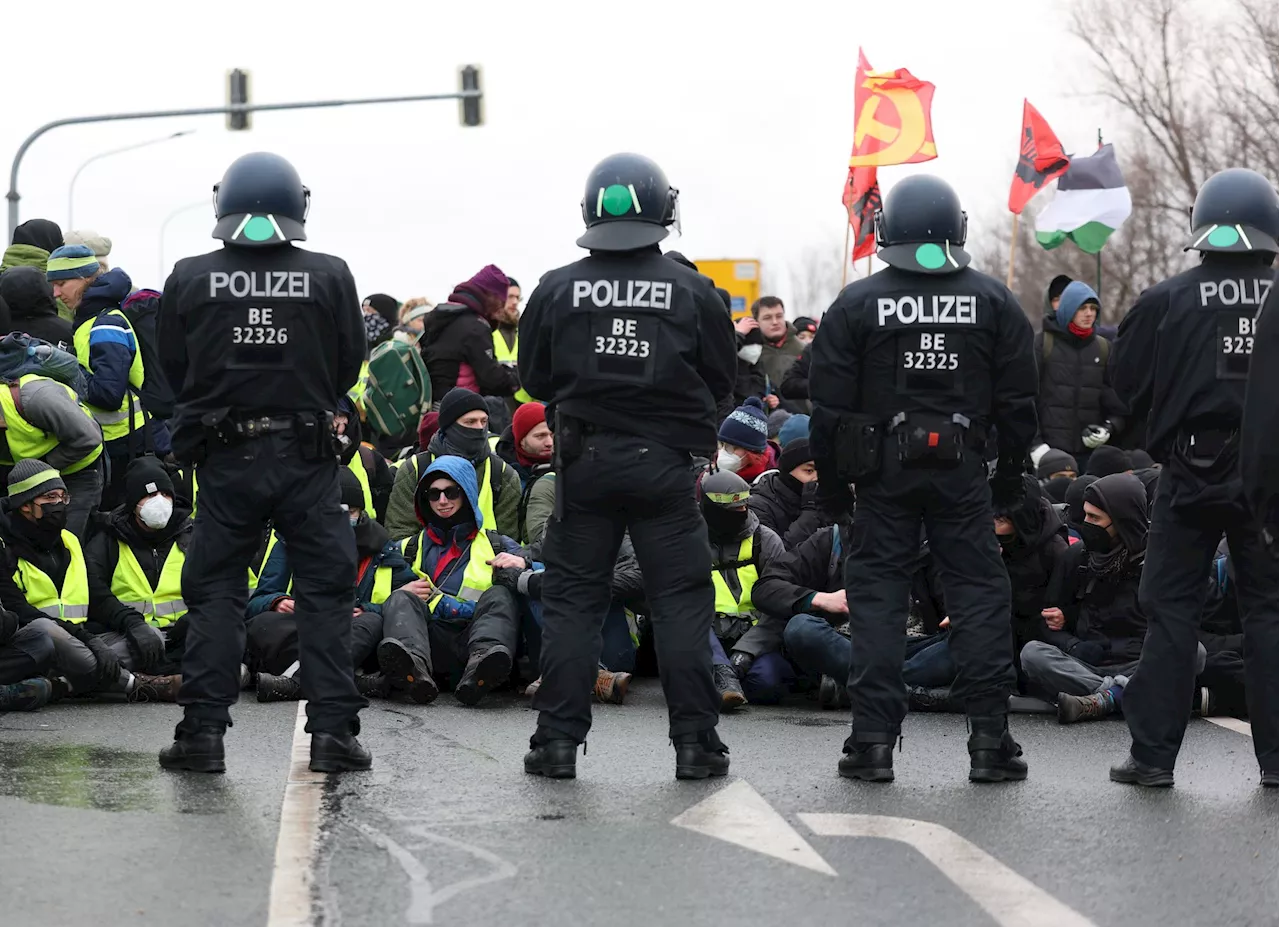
[[795, 385], [21, 543], [787, 506], [749, 379], [32, 308], [1037, 562], [102, 556], [111, 351], [777, 361], [1075, 387], [772, 595], [815, 566], [457, 343]]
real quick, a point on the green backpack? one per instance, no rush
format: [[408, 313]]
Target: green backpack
[[398, 391]]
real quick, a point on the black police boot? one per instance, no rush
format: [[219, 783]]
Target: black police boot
[[404, 669], [551, 754], [486, 670], [197, 746], [338, 751], [994, 756], [870, 762], [1133, 772], [373, 685], [700, 754], [1270, 778], [279, 688]]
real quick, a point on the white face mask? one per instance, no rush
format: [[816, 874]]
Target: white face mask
[[727, 460], [156, 512], [751, 352]]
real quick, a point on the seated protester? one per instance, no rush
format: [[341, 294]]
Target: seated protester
[[45, 420], [45, 581], [369, 467], [1074, 499], [792, 429], [458, 623], [1141, 460], [1054, 464], [528, 444], [272, 630], [752, 603], [134, 559], [744, 441], [785, 500], [1093, 638], [1055, 490], [26, 653], [1106, 460], [463, 432], [1221, 685]]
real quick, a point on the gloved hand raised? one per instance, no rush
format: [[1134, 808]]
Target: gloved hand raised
[[1007, 487], [1096, 435]]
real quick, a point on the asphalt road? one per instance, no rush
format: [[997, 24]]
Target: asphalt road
[[447, 828]]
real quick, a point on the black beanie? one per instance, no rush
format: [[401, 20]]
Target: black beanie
[[1057, 285], [42, 233], [1107, 460], [794, 454], [352, 491], [145, 476], [386, 306], [457, 403]]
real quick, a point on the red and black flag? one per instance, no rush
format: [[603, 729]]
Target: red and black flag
[[861, 200], [1040, 159]]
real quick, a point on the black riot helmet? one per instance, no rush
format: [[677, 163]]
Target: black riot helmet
[[1235, 210], [260, 201], [921, 227], [628, 204], [724, 498]]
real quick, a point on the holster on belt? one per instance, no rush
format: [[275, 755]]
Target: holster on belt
[[930, 440]]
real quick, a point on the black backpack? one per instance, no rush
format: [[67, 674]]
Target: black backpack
[[142, 309]]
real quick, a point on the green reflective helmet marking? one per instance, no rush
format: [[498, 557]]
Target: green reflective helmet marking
[[930, 256], [616, 200], [1224, 236], [260, 228]]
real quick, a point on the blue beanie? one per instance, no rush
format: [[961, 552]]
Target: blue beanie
[[71, 262], [1076, 294], [746, 427], [795, 427]]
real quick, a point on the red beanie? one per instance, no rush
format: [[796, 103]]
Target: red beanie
[[527, 417], [427, 429]]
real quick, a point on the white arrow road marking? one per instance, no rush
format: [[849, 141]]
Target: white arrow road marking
[[1011, 900], [738, 814], [1234, 724]]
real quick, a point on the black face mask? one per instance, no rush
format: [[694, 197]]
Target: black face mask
[[1095, 537], [1007, 540], [53, 519], [722, 522], [471, 443]]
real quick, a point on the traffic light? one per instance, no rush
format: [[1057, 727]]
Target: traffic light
[[237, 92], [470, 109]]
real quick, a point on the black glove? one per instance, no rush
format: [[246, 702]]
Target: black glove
[[507, 577], [8, 625], [833, 497], [1007, 488], [741, 663], [108, 665], [144, 643], [809, 496]]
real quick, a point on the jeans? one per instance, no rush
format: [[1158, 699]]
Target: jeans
[[1051, 672], [818, 648], [769, 679], [73, 659], [119, 644], [617, 650], [28, 653]]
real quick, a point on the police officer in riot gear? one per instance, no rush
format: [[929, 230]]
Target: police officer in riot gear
[[261, 340], [1182, 361], [912, 370], [630, 350]]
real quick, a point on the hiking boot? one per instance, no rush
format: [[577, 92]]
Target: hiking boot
[[1073, 708], [196, 747], [405, 670], [832, 694], [532, 688], [1132, 772], [486, 670], [1270, 778], [928, 698], [994, 756], [611, 688], [553, 757], [726, 680], [154, 688], [27, 695], [373, 685], [700, 755], [61, 688], [338, 753], [870, 762], [279, 688]]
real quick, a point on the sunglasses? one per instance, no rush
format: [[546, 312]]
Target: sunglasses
[[452, 493]]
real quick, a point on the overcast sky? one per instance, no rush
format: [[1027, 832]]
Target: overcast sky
[[748, 107]]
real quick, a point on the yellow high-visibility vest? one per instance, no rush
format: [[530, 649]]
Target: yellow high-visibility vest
[[161, 606], [71, 602], [115, 422], [508, 356], [25, 440], [747, 576], [478, 575]]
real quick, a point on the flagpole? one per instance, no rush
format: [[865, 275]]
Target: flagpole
[[868, 265], [845, 260], [1098, 290], [1013, 247]]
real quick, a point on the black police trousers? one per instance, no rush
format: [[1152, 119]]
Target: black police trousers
[[884, 551], [1180, 550], [240, 488], [619, 483]]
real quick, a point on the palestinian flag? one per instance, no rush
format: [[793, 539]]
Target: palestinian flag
[[1091, 203]]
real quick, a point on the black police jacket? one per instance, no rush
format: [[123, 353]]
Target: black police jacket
[[905, 342], [263, 331], [1260, 436], [1181, 357], [634, 342]]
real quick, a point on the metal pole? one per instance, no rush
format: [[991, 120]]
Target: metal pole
[[164, 227], [71, 187], [14, 197]]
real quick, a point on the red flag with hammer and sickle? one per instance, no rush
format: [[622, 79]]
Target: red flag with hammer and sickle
[[892, 123]]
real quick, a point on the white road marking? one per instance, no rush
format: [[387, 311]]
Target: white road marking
[[1011, 900], [292, 877], [1234, 724], [738, 814]]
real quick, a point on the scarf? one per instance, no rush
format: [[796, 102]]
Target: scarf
[[374, 326], [1079, 332]]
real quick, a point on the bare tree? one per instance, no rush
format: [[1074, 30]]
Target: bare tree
[[814, 279]]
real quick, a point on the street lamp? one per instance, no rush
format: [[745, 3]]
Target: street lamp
[[164, 227], [71, 188]]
